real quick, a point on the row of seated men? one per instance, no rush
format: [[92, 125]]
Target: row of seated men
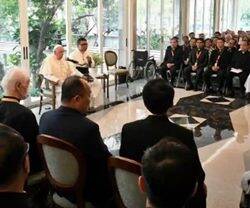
[[172, 172], [205, 58]]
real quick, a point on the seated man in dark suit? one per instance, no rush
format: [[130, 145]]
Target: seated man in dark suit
[[137, 136], [14, 169], [73, 126], [218, 64], [186, 48], [172, 60], [15, 86], [231, 48], [240, 62], [198, 60], [171, 162]]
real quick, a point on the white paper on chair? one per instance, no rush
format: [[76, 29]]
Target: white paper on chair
[[52, 78], [237, 71]]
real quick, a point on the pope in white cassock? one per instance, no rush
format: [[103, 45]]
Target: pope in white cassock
[[57, 69]]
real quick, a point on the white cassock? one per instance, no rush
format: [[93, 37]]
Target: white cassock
[[247, 84], [96, 86], [57, 70]]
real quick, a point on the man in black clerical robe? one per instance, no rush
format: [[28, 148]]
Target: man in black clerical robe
[[172, 60], [198, 60], [15, 86], [218, 64], [240, 66]]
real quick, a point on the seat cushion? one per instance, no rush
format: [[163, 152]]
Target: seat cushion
[[65, 203]]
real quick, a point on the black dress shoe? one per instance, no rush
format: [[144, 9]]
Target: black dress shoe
[[189, 87]]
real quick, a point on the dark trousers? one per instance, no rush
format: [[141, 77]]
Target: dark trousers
[[187, 75], [243, 77], [220, 77], [199, 199], [172, 72]]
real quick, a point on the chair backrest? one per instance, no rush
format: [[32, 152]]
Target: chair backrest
[[64, 164], [110, 58], [124, 175], [140, 58]]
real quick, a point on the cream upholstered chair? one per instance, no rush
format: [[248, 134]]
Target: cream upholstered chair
[[124, 174], [65, 169], [111, 63], [49, 91]]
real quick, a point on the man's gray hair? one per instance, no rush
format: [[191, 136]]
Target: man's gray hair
[[56, 47], [12, 77]]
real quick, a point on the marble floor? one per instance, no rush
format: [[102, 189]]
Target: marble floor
[[221, 128]]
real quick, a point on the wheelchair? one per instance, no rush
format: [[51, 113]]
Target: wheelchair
[[142, 66]]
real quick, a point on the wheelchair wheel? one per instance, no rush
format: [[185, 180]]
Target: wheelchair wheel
[[150, 69]]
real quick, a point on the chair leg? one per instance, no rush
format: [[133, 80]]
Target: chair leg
[[115, 81], [107, 86], [40, 104], [127, 80]]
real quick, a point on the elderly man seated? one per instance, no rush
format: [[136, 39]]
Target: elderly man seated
[[57, 69], [15, 86]]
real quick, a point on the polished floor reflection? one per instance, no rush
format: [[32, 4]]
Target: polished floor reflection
[[221, 128]]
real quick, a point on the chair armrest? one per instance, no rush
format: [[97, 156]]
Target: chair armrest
[[52, 80], [245, 182]]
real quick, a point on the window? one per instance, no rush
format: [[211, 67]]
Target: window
[[141, 30], [46, 29], [163, 23], [84, 22], [226, 15], [10, 53], [201, 17], [243, 18], [111, 23]]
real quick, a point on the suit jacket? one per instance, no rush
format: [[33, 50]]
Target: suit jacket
[[241, 61], [14, 200], [24, 121], [223, 61], [173, 56], [142, 134], [202, 59], [232, 52], [186, 51], [72, 126]]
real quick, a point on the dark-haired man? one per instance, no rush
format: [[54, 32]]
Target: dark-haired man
[[186, 49], [172, 164], [172, 60], [73, 126], [191, 35], [198, 60], [231, 48], [240, 67], [81, 54], [139, 135], [218, 64], [14, 169]]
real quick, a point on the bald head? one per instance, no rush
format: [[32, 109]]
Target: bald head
[[58, 51], [16, 83], [76, 93]]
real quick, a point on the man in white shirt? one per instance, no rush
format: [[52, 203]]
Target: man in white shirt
[[82, 57], [82, 54]]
